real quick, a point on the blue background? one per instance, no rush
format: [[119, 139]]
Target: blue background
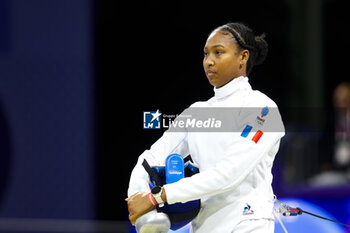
[[47, 110]]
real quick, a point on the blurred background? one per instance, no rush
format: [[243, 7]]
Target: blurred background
[[76, 77]]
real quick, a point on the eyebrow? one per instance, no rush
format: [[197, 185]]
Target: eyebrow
[[216, 46]]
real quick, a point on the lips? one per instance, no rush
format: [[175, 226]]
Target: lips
[[210, 72]]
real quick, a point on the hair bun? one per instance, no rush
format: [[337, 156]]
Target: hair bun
[[261, 49]]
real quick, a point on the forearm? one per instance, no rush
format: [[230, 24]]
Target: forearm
[[226, 175]]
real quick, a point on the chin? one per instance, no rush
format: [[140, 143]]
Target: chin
[[214, 82]]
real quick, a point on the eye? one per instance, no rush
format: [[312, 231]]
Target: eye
[[218, 52], [205, 54]]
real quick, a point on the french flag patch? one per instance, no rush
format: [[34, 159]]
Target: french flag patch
[[256, 136]]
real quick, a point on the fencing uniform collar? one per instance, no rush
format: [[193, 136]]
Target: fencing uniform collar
[[231, 87]]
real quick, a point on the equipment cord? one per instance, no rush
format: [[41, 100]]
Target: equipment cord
[[324, 218]]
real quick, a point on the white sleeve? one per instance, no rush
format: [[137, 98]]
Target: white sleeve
[[243, 155], [169, 143]]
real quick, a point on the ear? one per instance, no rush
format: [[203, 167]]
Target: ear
[[244, 56]]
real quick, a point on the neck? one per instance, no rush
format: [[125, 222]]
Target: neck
[[243, 73]]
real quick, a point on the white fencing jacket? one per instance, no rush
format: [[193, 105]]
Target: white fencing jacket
[[234, 183]]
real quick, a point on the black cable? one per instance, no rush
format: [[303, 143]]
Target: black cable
[[150, 172], [315, 215]]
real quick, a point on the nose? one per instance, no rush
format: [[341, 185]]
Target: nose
[[208, 61]]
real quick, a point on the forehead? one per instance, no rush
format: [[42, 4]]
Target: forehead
[[220, 37]]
